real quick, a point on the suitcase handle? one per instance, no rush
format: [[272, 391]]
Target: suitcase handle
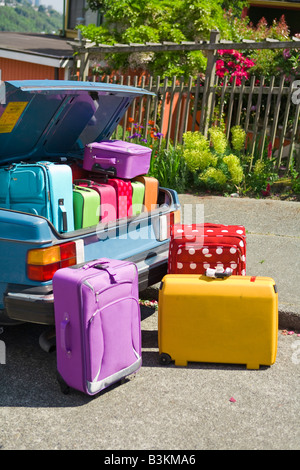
[[109, 161], [216, 274], [102, 266], [111, 171], [64, 215], [81, 188], [88, 182], [111, 275], [64, 325]]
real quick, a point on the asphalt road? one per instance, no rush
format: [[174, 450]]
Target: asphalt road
[[166, 407]]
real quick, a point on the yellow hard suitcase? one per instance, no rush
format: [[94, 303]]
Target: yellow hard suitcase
[[231, 320]]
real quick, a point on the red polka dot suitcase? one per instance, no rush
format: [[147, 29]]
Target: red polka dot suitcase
[[124, 196], [198, 247]]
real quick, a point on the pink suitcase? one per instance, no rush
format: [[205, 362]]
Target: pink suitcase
[[117, 158], [198, 247], [98, 325], [108, 199], [123, 190]]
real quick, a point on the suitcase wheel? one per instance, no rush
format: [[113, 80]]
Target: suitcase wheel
[[165, 359]]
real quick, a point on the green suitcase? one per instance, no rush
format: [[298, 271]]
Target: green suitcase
[[86, 203], [138, 193]]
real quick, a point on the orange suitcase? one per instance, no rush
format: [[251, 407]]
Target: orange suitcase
[[151, 191]]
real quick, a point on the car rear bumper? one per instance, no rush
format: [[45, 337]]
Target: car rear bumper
[[36, 304]]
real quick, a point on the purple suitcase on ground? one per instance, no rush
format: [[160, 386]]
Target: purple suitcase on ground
[[98, 325], [117, 158]]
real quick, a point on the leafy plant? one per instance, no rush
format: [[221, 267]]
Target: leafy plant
[[266, 62], [196, 152], [131, 21], [295, 179], [170, 168], [212, 162], [259, 169]]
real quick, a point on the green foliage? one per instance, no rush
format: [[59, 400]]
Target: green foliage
[[212, 163], [169, 167], [238, 138], [218, 140], [196, 152], [132, 21], [260, 178], [259, 170], [268, 62], [128, 21], [295, 180], [24, 18], [234, 167]]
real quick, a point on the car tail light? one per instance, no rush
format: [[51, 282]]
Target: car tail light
[[42, 263], [175, 217]]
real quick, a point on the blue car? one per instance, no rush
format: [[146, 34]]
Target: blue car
[[45, 120]]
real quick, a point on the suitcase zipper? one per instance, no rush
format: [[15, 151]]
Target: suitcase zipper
[[111, 303]]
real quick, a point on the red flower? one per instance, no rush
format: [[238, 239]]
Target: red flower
[[270, 150], [267, 192], [219, 64]]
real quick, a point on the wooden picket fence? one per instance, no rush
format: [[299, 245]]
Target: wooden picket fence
[[267, 112]]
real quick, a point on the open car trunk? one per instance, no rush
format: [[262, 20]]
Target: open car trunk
[[49, 124]]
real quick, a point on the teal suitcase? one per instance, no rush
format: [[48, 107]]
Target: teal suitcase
[[42, 188]]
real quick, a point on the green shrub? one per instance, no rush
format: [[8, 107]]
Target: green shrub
[[170, 168], [213, 163], [196, 152]]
